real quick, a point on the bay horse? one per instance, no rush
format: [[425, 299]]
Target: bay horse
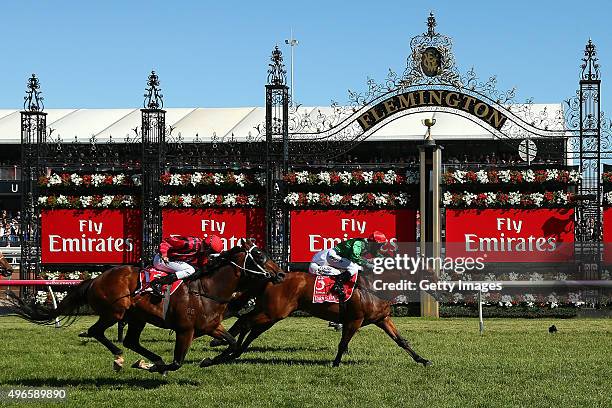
[[276, 302], [6, 269], [195, 309]]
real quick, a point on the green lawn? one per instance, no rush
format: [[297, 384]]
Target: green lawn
[[516, 363]]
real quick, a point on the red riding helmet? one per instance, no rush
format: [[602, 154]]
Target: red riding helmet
[[377, 237], [215, 243]]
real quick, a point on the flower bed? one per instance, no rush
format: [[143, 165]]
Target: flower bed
[[512, 199], [371, 200], [94, 201], [228, 179], [507, 176], [88, 180], [350, 178], [209, 200]]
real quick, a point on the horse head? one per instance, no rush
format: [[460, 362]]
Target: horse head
[[6, 269], [258, 263]]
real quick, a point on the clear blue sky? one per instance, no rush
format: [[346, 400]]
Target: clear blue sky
[[215, 54]]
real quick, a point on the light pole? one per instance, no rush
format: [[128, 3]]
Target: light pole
[[292, 42]]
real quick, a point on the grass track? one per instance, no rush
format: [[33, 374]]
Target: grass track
[[517, 363]]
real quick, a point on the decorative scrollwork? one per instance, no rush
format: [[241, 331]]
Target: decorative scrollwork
[[153, 97], [590, 66], [277, 75], [33, 101]]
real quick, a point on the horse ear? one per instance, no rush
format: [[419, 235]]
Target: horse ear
[[242, 242]]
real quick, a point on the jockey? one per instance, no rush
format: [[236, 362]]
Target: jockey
[[347, 258], [179, 256]]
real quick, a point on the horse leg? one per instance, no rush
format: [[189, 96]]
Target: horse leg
[[234, 331], [97, 330], [348, 331], [387, 325], [132, 341], [221, 334], [181, 346]]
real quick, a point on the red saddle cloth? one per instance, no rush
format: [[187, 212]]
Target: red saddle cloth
[[150, 273], [323, 292]]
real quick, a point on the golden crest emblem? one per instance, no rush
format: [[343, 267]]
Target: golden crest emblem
[[431, 61]]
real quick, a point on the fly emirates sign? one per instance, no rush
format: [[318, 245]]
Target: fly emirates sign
[[231, 224], [91, 236], [315, 230], [538, 235]]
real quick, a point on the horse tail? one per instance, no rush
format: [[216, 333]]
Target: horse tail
[[45, 315]]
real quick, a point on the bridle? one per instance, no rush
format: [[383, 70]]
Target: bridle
[[243, 268]]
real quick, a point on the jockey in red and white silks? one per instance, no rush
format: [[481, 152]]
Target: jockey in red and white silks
[[179, 256]]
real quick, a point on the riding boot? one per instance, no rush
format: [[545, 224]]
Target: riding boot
[[339, 284], [157, 283]]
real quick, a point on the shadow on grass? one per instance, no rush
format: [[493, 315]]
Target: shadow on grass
[[113, 382], [289, 362]]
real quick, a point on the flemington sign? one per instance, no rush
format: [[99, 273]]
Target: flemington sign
[[428, 98]]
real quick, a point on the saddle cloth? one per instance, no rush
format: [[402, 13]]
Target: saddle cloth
[[150, 273], [323, 292]]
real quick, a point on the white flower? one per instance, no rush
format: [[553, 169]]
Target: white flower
[[447, 199], [85, 201], [561, 197], [468, 198], [482, 176], [514, 197], [175, 180], [457, 297], [345, 177], [53, 275], [574, 298], [252, 199], [561, 276], [536, 277], [240, 179], [94, 274], [335, 199], [118, 179], [459, 175], [164, 200], [292, 199], [356, 199], [402, 199], [552, 174], [208, 199], [506, 300], [76, 179], [529, 176], [229, 200], [59, 296], [186, 199], [381, 199], [301, 177], [574, 176], [389, 177], [529, 298], [41, 297], [42, 200], [261, 178], [513, 276], [74, 275], [368, 176], [62, 199], [127, 201], [608, 197], [490, 198], [97, 179], [537, 198], [136, 180], [324, 178], [196, 178], [106, 200], [54, 180], [313, 198], [490, 277], [504, 176]]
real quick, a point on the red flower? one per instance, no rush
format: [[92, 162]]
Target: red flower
[[185, 178], [358, 177], [324, 199], [493, 176], [165, 179], [87, 180], [549, 196], [108, 180], [334, 177], [471, 176], [540, 176], [43, 180]]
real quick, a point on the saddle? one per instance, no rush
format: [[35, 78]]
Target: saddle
[[147, 275], [323, 290]]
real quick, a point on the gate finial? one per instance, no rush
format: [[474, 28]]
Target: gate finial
[[277, 75], [33, 101], [431, 24], [153, 97], [590, 66]]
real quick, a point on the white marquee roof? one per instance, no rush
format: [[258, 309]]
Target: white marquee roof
[[103, 123]]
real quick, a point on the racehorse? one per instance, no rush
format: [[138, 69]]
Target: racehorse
[[195, 309], [276, 302], [6, 269]]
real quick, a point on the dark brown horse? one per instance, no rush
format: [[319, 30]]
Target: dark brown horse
[[6, 269], [277, 302], [194, 310]]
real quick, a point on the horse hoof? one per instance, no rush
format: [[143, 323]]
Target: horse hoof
[[207, 362], [142, 365], [118, 363]]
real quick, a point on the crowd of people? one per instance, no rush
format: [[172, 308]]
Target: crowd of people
[[9, 228]]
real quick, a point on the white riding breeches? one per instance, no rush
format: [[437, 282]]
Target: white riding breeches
[[327, 262], [180, 268]]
